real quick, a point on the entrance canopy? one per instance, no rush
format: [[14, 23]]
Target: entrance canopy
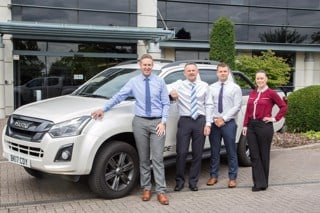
[[54, 31]]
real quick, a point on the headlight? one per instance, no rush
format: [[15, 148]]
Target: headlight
[[69, 128]]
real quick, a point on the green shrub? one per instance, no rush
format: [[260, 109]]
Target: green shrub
[[304, 110], [222, 42]]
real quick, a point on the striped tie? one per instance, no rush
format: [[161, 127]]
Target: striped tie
[[194, 106]]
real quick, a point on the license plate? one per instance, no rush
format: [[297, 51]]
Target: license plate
[[19, 160]]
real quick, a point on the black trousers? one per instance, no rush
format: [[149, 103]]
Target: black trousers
[[259, 135], [189, 129]]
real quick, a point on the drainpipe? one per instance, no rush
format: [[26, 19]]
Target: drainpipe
[[2, 96]]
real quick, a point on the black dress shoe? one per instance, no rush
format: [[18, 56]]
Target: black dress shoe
[[193, 188], [255, 189], [178, 187]]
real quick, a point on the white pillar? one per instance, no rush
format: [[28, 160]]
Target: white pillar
[[147, 17], [299, 77], [6, 65], [2, 94], [309, 68]]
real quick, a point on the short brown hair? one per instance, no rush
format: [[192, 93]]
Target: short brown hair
[[223, 65], [145, 56]]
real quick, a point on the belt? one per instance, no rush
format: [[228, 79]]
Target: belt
[[184, 116], [149, 118]]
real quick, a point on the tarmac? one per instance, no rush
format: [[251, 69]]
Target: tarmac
[[294, 186]]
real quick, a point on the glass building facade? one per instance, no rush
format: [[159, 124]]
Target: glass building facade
[[259, 25], [253, 19]]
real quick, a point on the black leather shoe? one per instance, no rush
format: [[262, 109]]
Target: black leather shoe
[[193, 188], [255, 189], [178, 187]]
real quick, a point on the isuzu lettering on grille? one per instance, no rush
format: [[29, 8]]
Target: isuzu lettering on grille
[[22, 124]]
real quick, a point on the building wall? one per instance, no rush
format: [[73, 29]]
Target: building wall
[[6, 65], [307, 67]]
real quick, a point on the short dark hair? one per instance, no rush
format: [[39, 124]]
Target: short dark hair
[[191, 63], [223, 65]]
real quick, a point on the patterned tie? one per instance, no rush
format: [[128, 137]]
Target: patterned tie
[[148, 99], [194, 106], [220, 107]]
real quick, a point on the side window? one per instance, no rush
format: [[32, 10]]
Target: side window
[[244, 82], [172, 77], [209, 76], [53, 81], [38, 82]]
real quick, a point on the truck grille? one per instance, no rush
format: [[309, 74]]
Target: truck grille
[[32, 151], [27, 128]]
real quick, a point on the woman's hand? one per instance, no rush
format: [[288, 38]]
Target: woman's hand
[[244, 131]]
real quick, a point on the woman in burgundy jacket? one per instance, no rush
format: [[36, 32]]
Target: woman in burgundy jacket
[[258, 128]]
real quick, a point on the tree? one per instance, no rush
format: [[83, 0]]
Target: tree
[[222, 44], [276, 67]]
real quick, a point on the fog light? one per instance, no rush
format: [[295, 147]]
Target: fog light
[[64, 153]]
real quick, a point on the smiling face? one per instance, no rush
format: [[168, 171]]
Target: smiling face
[[146, 65], [261, 79], [191, 72]]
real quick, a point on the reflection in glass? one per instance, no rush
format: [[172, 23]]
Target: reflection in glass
[[234, 13], [269, 3], [267, 16], [304, 17], [107, 19], [198, 31], [190, 12], [282, 35], [45, 15], [183, 34], [304, 4]]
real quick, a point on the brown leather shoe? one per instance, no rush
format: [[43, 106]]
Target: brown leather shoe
[[232, 183], [162, 198], [212, 181], [146, 195]]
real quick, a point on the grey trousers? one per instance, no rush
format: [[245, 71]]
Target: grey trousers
[[150, 147]]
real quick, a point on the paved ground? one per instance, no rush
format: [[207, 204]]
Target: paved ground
[[294, 187]]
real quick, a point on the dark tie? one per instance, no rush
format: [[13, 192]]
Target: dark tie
[[148, 99], [220, 106]]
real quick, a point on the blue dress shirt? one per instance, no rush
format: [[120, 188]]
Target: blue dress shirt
[[135, 87]]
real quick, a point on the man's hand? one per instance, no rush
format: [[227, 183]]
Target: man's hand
[[98, 114], [207, 130], [174, 94], [161, 129], [219, 122]]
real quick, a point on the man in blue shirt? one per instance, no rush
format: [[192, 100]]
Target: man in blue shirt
[[149, 124]]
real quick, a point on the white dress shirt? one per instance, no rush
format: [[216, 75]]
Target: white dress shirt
[[232, 100], [204, 101]]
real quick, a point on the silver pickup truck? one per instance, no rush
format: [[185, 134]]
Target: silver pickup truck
[[58, 135]]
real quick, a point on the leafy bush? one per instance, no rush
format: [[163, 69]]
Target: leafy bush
[[312, 135], [276, 67], [304, 110]]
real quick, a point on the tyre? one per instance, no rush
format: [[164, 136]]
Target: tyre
[[243, 152], [115, 170], [34, 173]]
